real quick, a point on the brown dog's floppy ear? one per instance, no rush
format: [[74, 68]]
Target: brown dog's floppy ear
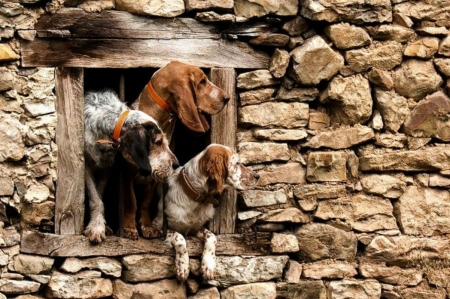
[[184, 95], [215, 163]]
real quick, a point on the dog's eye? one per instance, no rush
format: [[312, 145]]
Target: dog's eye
[[203, 81], [158, 141]]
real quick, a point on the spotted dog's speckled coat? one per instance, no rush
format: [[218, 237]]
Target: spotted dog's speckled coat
[[209, 173], [142, 143]]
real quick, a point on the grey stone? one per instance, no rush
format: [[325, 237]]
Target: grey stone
[[261, 198], [29, 264]]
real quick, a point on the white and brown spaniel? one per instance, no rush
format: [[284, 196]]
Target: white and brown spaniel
[[190, 199]]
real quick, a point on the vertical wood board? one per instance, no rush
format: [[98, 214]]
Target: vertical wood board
[[223, 131], [69, 209]]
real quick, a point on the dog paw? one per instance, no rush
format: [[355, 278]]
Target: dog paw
[[150, 232], [95, 234], [130, 233], [182, 266], [208, 266]]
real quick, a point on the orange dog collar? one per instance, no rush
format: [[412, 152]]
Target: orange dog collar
[[117, 129], [158, 99]]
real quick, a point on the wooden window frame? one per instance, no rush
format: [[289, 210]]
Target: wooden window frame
[[71, 40]]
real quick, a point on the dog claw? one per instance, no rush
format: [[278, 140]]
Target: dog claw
[[150, 232], [95, 235], [130, 233]]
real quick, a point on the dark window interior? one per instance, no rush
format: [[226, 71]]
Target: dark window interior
[[185, 144]]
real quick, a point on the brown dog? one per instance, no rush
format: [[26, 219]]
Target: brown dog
[[177, 90]]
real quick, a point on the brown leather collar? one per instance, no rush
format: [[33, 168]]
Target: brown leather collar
[[192, 194], [115, 143], [158, 99]]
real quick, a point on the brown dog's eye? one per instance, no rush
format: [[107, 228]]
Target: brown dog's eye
[[203, 81], [158, 140]]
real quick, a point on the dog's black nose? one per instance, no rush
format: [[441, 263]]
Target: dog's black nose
[[145, 172], [175, 164], [226, 98], [256, 175]]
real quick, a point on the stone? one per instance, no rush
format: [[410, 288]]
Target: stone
[[159, 8], [287, 8], [341, 138], [9, 236], [231, 270], [444, 46], [429, 159], [377, 120], [423, 48], [210, 293], [380, 78], [416, 78], [255, 8], [37, 193], [430, 118], [406, 250], [383, 185], [256, 79], [256, 96], [443, 65], [361, 289], [319, 191], [279, 134], [12, 147], [296, 26], [318, 120], [213, 17], [297, 94], [270, 39], [17, 287], [393, 108], [416, 143], [426, 202], [290, 173], [294, 42], [193, 286], [30, 264], [147, 267], [279, 63], [293, 271], [7, 53], [97, 6], [403, 20], [263, 290], [392, 275], [208, 4], [424, 10], [350, 99], [38, 109], [326, 167], [307, 69], [83, 285], [290, 215], [346, 36], [392, 32], [7, 79], [329, 270], [381, 55], [122, 290], [391, 140], [303, 289], [33, 215], [248, 215], [433, 31], [318, 241], [363, 213], [6, 186], [254, 152], [333, 11], [160, 289], [107, 266], [279, 114], [282, 243], [419, 292], [261, 198], [437, 180]]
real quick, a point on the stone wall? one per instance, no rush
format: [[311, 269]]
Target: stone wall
[[348, 128]]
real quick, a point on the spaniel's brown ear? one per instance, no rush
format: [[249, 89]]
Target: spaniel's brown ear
[[214, 164], [184, 95]]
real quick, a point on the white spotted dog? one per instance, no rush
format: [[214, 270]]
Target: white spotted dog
[[111, 128], [189, 202]]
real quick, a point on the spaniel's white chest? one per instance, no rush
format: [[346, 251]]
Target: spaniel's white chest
[[188, 219]]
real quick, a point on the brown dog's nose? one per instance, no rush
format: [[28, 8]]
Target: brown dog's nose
[[226, 97], [256, 176]]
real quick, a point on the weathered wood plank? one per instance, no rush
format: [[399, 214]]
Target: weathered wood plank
[[69, 209], [34, 242], [120, 24], [109, 53], [223, 131]]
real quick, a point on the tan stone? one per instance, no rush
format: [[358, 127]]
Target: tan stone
[[147, 267], [329, 270], [255, 8], [210, 293], [160, 8], [282, 243], [391, 140], [29, 264], [290, 215], [391, 275], [349, 98], [403, 20], [7, 78], [307, 70], [346, 36], [443, 65], [256, 96], [423, 48], [106, 265], [341, 138], [7, 53], [433, 31], [361, 289], [424, 10], [306, 289], [83, 285], [255, 79], [270, 39], [279, 134], [279, 114], [37, 193], [416, 143], [437, 180], [296, 26], [34, 214], [297, 94], [208, 4], [381, 55], [17, 287], [444, 46], [382, 79], [393, 108], [319, 191], [263, 290], [377, 120], [318, 120], [293, 271], [383, 185], [290, 173], [211, 16], [261, 198], [6, 186], [12, 147], [287, 8], [160, 290], [279, 63], [254, 152], [326, 167], [393, 32], [421, 293]]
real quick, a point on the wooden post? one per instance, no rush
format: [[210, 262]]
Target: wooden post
[[69, 210], [223, 131]]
